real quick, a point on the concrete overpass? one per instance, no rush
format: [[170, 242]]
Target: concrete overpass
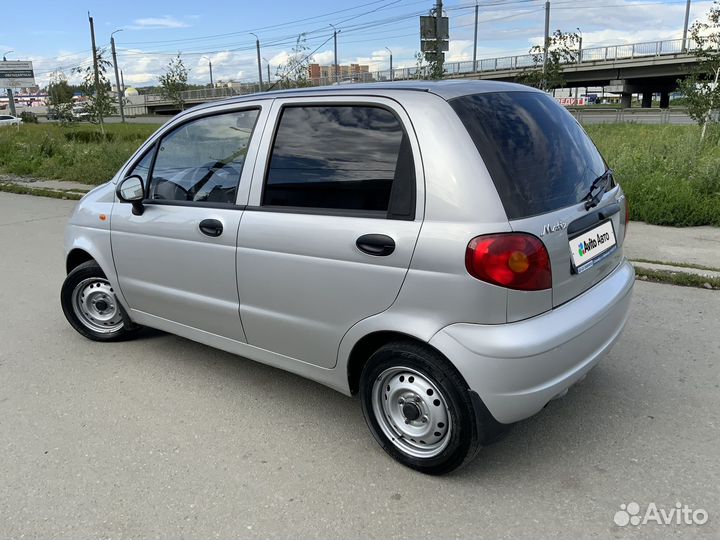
[[644, 68]]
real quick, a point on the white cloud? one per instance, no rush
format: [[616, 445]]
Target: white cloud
[[157, 23]]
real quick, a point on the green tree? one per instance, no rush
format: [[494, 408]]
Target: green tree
[[60, 96], [101, 102], [174, 82], [700, 87], [563, 48], [295, 72]]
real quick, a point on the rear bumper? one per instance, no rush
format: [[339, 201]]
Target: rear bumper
[[517, 368]]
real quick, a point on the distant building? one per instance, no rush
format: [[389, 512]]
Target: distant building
[[353, 72]]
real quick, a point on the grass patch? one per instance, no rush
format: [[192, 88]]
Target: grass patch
[[678, 264], [677, 278], [668, 176], [10, 187], [77, 153]]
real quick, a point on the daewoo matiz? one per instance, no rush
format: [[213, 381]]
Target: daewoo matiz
[[450, 251]]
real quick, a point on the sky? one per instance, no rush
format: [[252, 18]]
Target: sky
[[55, 35]]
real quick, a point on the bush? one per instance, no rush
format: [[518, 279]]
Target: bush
[[28, 117]]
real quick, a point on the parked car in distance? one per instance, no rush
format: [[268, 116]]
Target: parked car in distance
[[8, 120], [80, 113], [451, 252]]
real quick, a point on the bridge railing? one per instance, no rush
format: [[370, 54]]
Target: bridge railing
[[503, 63]]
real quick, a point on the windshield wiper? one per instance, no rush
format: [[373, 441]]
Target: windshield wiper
[[600, 184]]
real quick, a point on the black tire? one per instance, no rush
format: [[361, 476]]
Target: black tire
[[463, 440], [87, 271]]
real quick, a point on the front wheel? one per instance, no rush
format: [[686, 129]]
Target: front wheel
[[91, 307], [419, 408]]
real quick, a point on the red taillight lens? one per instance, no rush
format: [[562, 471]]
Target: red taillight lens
[[515, 261]]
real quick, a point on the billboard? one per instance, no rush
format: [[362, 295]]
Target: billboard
[[14, 74]]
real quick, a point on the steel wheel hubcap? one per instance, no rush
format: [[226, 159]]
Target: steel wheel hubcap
[[411, 412], [94, 304]]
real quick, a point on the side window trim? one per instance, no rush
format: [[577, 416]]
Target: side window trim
[[158, 142], [410, 190], [155, 141]]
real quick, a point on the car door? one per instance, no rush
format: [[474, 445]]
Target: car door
[[333, 218], [176, 261]]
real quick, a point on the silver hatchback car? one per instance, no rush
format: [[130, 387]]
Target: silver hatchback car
[[450, 251]]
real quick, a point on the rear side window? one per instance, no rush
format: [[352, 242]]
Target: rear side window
[[539, 157], [342, 158]]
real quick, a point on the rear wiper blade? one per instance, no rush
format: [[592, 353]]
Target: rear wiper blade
[[600, 184]]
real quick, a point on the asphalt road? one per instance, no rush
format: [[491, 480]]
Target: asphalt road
[[162, 437]]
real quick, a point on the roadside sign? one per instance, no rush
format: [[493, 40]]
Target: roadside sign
[[429, 46], [14, 74], [572, 102], [427, 28]]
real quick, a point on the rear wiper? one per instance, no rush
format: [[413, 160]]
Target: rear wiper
[[600, 184]]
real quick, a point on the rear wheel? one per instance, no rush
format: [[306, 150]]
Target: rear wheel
[[418, 408], [91, 307]]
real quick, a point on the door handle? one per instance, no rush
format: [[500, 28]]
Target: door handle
[[211, 227], [380, 245]]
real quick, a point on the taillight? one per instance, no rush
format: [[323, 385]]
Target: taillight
[[516, 261]]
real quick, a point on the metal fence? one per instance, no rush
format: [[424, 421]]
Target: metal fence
[[504, 63]]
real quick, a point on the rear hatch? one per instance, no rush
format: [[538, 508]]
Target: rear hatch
[[552, 181]]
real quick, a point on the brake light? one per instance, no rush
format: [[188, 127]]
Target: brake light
[[516, 261]]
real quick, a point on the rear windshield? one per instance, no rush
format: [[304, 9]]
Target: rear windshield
[[539, 157]]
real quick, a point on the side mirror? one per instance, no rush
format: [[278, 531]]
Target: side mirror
[[130, 190]]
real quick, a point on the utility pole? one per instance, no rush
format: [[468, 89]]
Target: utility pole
[[337, 69], [117, 77], [268, 70], [685, 26], [546, 46], [475, 38], [257, 46], [95, 67], [580, 36], [9, 91], [392, 75], [439, 56], [122, 81]]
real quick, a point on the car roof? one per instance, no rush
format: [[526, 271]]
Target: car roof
[[446, 89]]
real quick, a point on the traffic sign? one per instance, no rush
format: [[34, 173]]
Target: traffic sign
[[14, 74]]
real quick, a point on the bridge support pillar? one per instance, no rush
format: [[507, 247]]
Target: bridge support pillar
[[626, 100], [647, 100], [665, 100]]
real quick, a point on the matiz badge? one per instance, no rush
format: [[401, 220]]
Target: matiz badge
[[559, 226]]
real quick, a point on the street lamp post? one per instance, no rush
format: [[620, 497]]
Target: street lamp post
[[392, 74], [685, 26], [11, 99], [579, 59], [120, 90], [212, 85]]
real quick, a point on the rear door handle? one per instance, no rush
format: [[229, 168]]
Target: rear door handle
[[380, 245], [211, 227]]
